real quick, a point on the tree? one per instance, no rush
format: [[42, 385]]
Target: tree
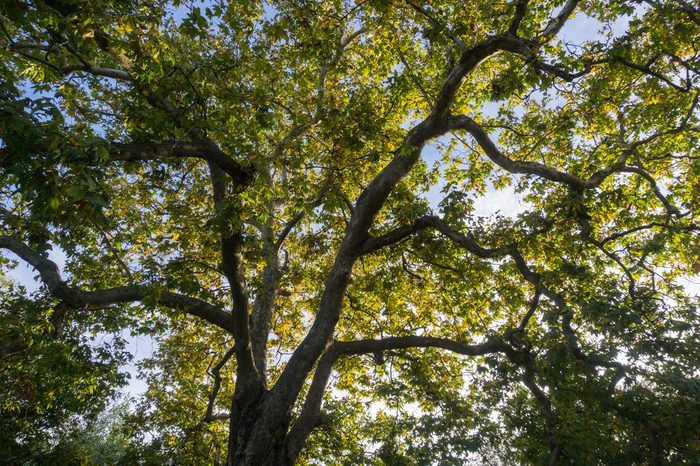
[[283, 195], [52, 384]]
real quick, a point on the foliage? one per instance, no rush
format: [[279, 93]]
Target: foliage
[[50, 383], [289, 198]]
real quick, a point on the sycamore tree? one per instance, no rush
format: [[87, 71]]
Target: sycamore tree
[[285, 197]]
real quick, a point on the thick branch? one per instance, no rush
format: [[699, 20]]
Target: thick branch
[[528, 168], [463, 122], [467, 63], [532, 308], [417, 341], [232, 265], [520, 12], [370, 201], [395, 236], [163, 150], [78, 299], [96, 71], [558, 21], [310, 415], [130, 152], [368, 204]]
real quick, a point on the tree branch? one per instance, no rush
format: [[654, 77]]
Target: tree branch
[[463, 122], [231, 247], [370, 201], [534, 302], [419, 341], [288, 229], [670, 208], [216, 374], [516, 166], [526, 361], [96, 71], [163, 150], [520, 12], [132, 152], [555, 25], [79, 299], [310, 415], [368, 204], [395, 236], [646, 69], [536, 279]]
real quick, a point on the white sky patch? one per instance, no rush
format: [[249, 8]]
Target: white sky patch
[[503, 202], [691, 285], [141, 347], [583, 28]]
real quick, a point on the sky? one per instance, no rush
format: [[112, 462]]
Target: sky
[[504, 202]]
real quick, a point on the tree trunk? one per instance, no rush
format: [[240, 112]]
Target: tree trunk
[[257, 434]]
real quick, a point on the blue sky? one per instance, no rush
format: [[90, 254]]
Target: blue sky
[[503, 201]]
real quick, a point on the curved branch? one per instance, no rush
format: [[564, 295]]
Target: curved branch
[[463, 122], [209, 415], [520, 12], [288, 227], [20, 48], [132, 152], [421, 223], [562, 73], [540, 289], [368, 204], [463, 240], [79, 299], [532, 308], [310, 415], [556, 23], [670, 208], [648, 226], [167, 149], [572, 341], [395, 236], [469, 60], [646, 69], [419, 341], [96, 71]]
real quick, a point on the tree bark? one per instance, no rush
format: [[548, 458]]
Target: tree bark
[[252, 440]]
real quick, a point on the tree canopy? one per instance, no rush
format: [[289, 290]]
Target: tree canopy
[[298, 203]]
